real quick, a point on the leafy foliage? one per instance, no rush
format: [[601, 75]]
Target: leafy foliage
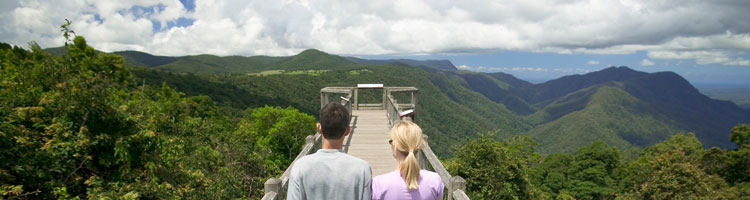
[[620, 106], [496, 170], [79, 126], [740, 135], [677, 168]]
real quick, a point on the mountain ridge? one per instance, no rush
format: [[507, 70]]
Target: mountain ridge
[[435, 64], [570, 109]]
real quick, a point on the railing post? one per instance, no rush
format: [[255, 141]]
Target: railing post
[[397, 114], [456, 183], [385, 90], [355, 103], [421, 158], [322, 99], [414, 105], [309, 139], [273, 185], [413, 98]]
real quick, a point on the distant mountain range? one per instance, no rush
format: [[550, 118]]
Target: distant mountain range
[[622, 106], [435, 64], [209, 64], [618, 105]]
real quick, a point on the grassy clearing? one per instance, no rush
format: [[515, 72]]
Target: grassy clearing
[[361, 71], [284, 72], [307, 72]]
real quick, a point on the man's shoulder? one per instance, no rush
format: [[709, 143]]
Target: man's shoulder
[[341, 157], [302, 159], [355, 160]]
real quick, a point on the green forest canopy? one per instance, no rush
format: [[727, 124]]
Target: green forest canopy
[[79, 126]]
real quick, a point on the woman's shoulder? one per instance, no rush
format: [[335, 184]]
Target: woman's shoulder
[[387, 176], [428, 173], [430, 176]]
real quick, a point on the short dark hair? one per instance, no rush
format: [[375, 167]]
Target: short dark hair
[[334, 119]]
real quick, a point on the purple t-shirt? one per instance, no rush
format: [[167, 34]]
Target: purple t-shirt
[[392, 186]]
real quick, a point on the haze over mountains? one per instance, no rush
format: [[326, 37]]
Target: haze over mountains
[[618, 105]]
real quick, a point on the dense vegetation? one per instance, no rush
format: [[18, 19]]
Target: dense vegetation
[[86, 124], [79, 126], [302, 90], [619, 106], [678, 168]]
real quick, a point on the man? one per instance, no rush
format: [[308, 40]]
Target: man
[[329, 173]]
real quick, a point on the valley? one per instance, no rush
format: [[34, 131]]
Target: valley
[[623, 107]]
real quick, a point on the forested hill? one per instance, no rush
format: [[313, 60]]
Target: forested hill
[[436, 64], [618, 105], [208, 64], [83, 125]]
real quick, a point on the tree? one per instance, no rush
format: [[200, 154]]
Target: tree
[[592, 169], [282, 131], [495, 170], [740, 135], [77, 126], [672, 176], [672, 170], [552, 174], [738, 162]]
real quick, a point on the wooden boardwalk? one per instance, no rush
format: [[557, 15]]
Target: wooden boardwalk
[[369, 140]]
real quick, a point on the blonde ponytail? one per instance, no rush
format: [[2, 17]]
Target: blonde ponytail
[[410, 170], [407, 138]]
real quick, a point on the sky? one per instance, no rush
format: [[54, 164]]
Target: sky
[[707, 42]]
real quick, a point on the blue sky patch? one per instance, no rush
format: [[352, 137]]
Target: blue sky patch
[[189, 5], [540, 67]]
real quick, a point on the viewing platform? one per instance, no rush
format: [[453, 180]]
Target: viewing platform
[[369, 141], [370, 130]]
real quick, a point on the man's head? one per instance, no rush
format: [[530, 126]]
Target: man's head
[[334, 121]]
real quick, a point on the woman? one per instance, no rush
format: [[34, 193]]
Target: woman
[[408, 181]]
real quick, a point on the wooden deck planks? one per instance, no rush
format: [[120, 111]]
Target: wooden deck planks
[[370, 140]]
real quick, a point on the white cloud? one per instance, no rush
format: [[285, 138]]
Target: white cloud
[[593, 62], [703, 57], [646, 62], [672, 29]]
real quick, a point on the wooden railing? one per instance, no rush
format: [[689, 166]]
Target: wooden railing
[[455, 186], [346, 99], [397, 111], [275, 188]]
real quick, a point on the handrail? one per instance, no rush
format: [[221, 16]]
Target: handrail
[[455, 186], [274, 187], [353, 128], [392, 110], [352, 94], [347, 101]]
